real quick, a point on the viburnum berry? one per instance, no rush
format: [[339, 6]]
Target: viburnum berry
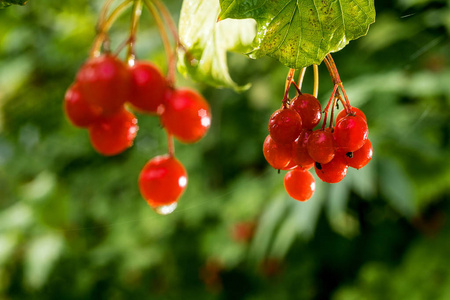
[[300, 155], [78, 110], [292, 165], [299, 184], [320, 146], [351, 133], [332, 172], [162, 181], [148, 87], [285, 125], [309, 109], [356, 111], [105, 82], [186, 115], [113, 134], [277, 155], [361, 157]]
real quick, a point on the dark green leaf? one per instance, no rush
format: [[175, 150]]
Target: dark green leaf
[[6, 3], [301, 32]]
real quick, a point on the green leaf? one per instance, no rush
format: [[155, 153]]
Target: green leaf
[[397, 188], [301, 32], [207, 43], [6, 3], [40, 257]]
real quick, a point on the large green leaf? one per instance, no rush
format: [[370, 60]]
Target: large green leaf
[[301, 32], [207, 42], [6, 3]]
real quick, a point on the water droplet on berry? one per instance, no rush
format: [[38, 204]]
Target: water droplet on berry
[[165, 209]]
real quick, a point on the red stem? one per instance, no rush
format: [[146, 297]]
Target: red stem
[[328, 106], [287, 86], [170, 144], [337, 96]]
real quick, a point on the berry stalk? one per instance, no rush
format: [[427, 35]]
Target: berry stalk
[[170, 145], [103, 14], [287, 86], [104, 25], [135, 16], [173, 29], [170, 53], [316, 80], [332, 69], [300, 78], [328, 106]]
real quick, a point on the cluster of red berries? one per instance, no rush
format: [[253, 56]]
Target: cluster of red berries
[[293, 145], [104, 86]]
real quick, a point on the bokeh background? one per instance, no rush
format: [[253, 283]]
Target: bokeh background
[[73, 225]]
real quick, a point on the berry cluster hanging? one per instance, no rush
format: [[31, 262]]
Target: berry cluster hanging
[[294, 145], [106, 88]]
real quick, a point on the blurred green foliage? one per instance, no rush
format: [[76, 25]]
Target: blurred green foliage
[[73, 225]]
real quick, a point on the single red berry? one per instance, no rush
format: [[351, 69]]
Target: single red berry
[[285, 125], [332, 172], [78, 110], [105, 82], [361, 157], [309, 109], [186, 115], [277, 155], [162, 181], [113, 134], [299, 184], [148, 87], [351, 133], [320, 146], [300, 155], [355, 111]]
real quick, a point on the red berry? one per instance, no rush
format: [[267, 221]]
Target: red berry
[[79, 112], [291, 165], [332, 172], [309, 109], [105, 82], [277, 155], [356, 112], [320, 146], [285, 125], [148, 87], [300, 155], [361, 157], [186, 115], [351, 133], [299, 184], [162, 181], [113, 134]]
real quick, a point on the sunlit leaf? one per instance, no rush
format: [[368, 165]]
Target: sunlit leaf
[[41, 256], [300, 220], [270, 218], [18, 216], [301, 32], [207, 42], [8, 242]]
